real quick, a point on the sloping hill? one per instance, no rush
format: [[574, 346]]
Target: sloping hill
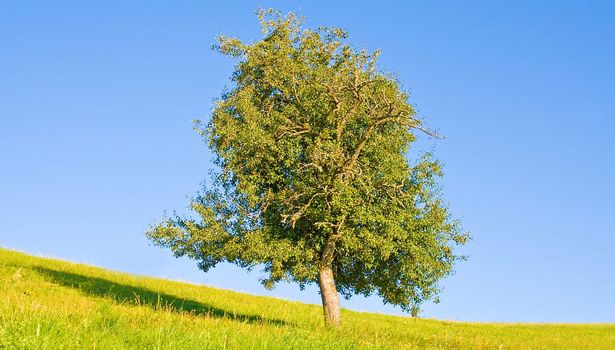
[[52, 304]]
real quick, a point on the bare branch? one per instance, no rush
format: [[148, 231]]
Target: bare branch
[[429, 132]]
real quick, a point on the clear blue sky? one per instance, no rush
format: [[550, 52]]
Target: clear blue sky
[[97, 98]]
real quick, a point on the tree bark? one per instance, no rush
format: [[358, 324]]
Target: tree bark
[[330, 297]]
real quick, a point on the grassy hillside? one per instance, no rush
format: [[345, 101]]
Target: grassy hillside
[[51, 304]]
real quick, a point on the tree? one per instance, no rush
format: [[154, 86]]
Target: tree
[[313, 180]]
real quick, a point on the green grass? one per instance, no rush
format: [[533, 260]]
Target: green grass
[[53, 304]]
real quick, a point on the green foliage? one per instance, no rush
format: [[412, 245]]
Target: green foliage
[[311, 143], [60, 305]]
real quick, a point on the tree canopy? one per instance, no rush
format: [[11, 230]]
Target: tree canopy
[[310, 143]]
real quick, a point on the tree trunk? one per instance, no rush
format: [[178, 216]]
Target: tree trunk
[[330, 298]]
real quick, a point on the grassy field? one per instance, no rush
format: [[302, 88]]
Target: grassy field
[[52, 304]]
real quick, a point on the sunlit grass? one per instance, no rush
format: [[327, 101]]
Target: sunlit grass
[[52, 304]]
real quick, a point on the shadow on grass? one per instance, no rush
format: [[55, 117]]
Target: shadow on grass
[[133, 295]]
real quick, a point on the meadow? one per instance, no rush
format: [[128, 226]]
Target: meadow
[[54, 304]]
